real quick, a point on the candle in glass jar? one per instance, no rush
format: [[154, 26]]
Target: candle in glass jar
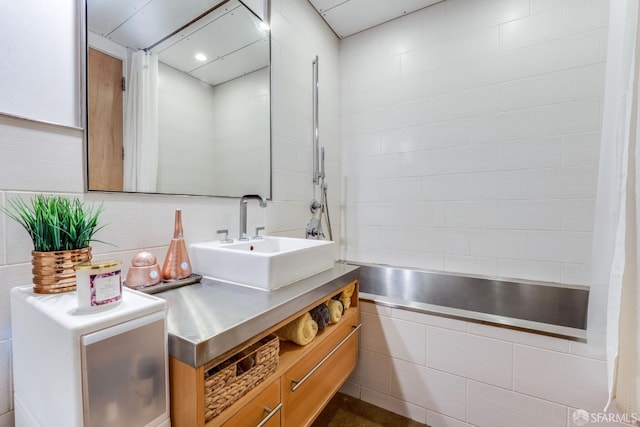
[[98, 284]]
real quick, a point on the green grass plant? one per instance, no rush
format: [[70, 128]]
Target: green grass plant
[[56, 223]]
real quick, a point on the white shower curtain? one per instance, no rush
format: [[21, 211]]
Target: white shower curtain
[[141, 124], [615, 300]]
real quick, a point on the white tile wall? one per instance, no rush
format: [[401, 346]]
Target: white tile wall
[[476, 374], [504, 134], [490, 361]]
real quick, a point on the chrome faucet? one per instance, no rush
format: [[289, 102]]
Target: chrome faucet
[[243, 213]]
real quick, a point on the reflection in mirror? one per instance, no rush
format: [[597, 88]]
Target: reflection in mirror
[[178, 98]]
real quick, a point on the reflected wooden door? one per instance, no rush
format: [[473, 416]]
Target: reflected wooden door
[[105, 155]]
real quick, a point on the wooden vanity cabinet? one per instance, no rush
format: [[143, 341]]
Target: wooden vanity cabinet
[[310, 382], [266, 405], [306, 379]]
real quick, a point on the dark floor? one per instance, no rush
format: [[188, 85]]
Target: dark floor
[[347, 411]]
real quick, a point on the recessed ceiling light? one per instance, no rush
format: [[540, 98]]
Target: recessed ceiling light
[[201, 57]]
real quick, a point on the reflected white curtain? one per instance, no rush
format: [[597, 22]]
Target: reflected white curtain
[[141, 124], [615, 300]]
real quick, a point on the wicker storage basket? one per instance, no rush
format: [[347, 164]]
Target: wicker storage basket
[[230, 380]]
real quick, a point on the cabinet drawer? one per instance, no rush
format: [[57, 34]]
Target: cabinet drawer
[[255, 412], [309, 384]]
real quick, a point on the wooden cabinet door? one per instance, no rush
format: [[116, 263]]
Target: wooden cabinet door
[[265, 404], [304, 404], [105, 128]]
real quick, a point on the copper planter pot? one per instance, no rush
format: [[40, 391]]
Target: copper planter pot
[[54, 272]]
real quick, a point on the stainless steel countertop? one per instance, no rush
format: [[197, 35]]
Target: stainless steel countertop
[[209, 318]]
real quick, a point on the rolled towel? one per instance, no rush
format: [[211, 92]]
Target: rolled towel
[[301, 331], [345, 296], [321, 315], [335, 310]]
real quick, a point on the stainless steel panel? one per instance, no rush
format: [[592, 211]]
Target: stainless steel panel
[[549, 308]]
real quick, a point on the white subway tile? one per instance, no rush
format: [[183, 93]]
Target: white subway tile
[[498, 243], [585, 16], [501, 126], [581, 149], [359, 190], [400, 91], [423, 163], [576, 274], [372, 308], [578, 215], [367, 144], [401, 190], [471, 265], [446, 134], [531, 214], [495, 407], [531, 30], [583, 82], [564, 53], [435, 419], [489, 14], [564, 183], [422, 214], [563, 246], [519, 337], [561, 378], [445, 240], [530, 270], [405, 140], [430, 319], [472, 214], [531, 153], [446, 187], [422, 260], [370, 214], [36, 156], [11, 276], [431, 389], [392, 337], [568, 117], [470, 356], [472, 158], [387, 166], [373, 371], [499, 185], [406, 409]]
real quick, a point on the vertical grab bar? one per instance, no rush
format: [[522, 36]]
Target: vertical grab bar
[[317, 173]]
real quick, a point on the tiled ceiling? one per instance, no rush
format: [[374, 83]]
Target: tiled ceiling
[[347, 17]]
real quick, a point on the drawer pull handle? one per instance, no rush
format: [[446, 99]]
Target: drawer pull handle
[[270, 413], [295, 384]]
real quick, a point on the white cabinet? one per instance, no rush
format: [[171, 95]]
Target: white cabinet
[[106, 368]]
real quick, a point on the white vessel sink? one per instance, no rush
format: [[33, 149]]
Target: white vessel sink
[[268, 263]]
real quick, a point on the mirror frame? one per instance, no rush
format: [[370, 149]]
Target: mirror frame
[[83, 48]]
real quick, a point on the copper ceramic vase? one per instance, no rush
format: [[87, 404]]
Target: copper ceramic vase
[[176, 264]]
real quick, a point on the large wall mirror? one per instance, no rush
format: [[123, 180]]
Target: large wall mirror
[[178, 96]]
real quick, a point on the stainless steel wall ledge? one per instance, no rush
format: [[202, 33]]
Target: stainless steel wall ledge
[[547, 308]]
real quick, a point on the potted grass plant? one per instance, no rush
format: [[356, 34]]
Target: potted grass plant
[[61, 229]]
